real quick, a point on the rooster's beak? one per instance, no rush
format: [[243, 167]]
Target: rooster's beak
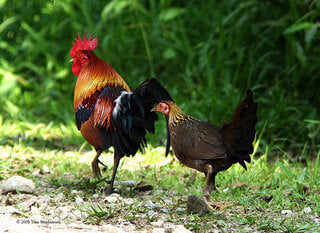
[[154, 109], [71, 60]]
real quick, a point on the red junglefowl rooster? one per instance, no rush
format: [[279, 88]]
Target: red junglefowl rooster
[[107, 113], [208, 148]]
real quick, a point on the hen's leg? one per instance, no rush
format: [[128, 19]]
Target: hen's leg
[[210, 184], [115, 167], [95, 165]]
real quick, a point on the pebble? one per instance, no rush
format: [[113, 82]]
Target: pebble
[[196, 205], [307, 210], [78, 200], [151, 205], [225, 190], [158, 230], [151, 213], [164, 210], [95, 196], [18, 183], [59, 197], [177, 229], [114, 197], [286, 212], [128, 201], [74, 192], [158, 224]]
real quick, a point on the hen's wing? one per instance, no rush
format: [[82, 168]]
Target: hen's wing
[[199, 140]]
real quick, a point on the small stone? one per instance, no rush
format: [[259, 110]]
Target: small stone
[[225, 190], [95, 196], [317, 220], [125, 183], [151, 213], [177, 229], [45, 170], [59, 197], [43, 201], [74, 192], [18, 183], [63, 215], [128, 201], [78, 200], [151, 205], [217, 231], [164, 210], [35, 210], [25, 205], [112, 229], [114, 197], [307, 210], [158, 230], [158, 224], [196, 205], [286, 212]]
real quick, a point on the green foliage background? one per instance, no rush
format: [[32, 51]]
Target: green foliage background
[[207, 53]]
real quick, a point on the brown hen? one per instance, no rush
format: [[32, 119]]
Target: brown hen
[[208, 148]]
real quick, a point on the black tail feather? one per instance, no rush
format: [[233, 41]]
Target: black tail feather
[[239, 134], [132, 116]]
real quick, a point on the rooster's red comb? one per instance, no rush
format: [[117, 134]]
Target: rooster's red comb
[[85, 44]]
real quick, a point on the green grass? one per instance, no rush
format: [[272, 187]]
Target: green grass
[[206, 54], [257, 196]]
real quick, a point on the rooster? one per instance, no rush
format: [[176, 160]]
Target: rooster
[[208, 148], [107, 113]]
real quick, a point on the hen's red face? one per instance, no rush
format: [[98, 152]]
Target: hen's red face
[[163, 108]]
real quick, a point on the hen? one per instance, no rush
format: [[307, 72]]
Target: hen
[[107, 113], [208, 148]]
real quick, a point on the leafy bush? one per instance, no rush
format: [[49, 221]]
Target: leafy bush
[[207, 53]]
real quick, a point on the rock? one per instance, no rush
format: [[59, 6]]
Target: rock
[[196, 205], [177, 229], [158, 224], [18, 183], [113, 198], [151, 205], [286, 212], [125, 183], [128, 201], [151, 213], [95, 196], [59, 197], [158, 230], [35, 210], [164, 210], [78, 200], [43, 201], [25, 205], [74, 192], [307, 210], [112, 229]]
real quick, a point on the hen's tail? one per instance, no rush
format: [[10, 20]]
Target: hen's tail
[[239, 134], [133, 117]]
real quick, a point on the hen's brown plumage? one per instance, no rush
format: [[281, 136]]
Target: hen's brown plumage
[[208, 148]]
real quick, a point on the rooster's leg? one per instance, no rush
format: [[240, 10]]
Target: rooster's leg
[[95, 165], [115, 167]]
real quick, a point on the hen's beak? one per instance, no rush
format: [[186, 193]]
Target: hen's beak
[[154, 109], [71, 60]]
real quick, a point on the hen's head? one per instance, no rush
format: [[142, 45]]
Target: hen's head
[[167, 107], [78, 58]]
